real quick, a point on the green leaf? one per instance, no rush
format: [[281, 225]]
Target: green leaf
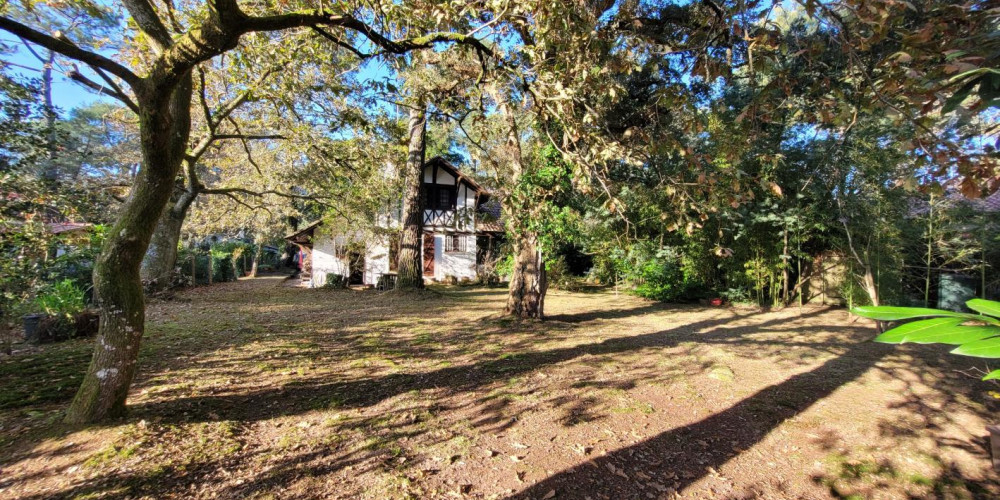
[[896, 335], [955, 335], [987, 348], [990, 307], [993, 375], [891, 313]]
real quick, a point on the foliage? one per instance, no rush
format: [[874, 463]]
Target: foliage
[[980, 339], [63, 299], [336, 281]]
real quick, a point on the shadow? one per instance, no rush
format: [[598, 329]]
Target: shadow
[[303, 395], [678, 458], [506, 368], [584, 317]]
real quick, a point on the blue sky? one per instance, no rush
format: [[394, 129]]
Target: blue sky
[[65, 94]]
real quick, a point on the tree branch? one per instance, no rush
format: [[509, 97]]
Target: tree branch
[[78, 77], [149, 22], [68, 49]]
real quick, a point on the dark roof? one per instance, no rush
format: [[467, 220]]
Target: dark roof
[[453, 170], [302, 232], [489, 220], [988, 205]]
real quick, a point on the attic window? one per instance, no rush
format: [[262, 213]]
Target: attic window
[[456, 243]]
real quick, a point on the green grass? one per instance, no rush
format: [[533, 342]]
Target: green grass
[[50, 376]]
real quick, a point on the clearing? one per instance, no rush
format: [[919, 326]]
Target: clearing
[[258, 390]]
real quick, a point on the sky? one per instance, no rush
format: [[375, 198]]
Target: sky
[[66, 94]]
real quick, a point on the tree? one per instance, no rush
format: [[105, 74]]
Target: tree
[[161, 97], [410, 264]]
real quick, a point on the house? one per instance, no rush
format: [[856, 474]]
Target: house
[[460, 223]]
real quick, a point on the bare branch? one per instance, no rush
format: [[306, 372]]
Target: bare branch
[[78, 77]]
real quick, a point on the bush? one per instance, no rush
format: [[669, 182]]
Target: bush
[[63, 304], [63, 299], [661, 279], [227, 262], [335, 281], [505, 266], [559, 274]]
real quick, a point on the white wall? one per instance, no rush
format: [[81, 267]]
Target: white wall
[[376, 259], [457, 264], [443, 177], [325, 260]]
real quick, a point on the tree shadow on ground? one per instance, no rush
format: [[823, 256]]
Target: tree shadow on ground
[[302, 395], [679, 457], [673, 459]]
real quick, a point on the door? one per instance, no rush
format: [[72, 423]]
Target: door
[[428, 254], [357, 268]]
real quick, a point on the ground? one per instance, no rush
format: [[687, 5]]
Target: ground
[[259, 390]]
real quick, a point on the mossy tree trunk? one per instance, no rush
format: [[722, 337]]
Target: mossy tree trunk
[[528, 283], [410, 263], [164, 129], [257, 253], [158, 265]]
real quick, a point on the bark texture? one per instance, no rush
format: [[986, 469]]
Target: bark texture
[[164, 130], [257, 252], [410, 264], [528, 283], [158, 265]]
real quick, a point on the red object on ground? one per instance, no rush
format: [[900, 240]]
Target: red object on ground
[[715, 302]]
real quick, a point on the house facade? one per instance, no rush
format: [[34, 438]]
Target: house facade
[[459, 219]]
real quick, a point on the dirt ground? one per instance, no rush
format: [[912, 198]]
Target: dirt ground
[[258, 390]]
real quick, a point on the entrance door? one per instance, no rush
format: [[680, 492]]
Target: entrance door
[[357, 268], [428, 254]]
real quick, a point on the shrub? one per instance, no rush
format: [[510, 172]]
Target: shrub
[[335, 281], [661, 279], [63, 299], [62, 302]]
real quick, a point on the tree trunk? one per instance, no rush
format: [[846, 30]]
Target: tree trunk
[[165, 125], [930, 253], [51, 170], [161, 257], [870, 287], [410, 264], [526, 297], [257, 252], [785, 270]]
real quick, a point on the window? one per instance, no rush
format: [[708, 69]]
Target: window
[[456, 243], [444, 198], [439, 197]]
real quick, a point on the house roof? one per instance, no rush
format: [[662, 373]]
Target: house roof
[[453, 170], [297, 235], [68, 227], [988, 205]]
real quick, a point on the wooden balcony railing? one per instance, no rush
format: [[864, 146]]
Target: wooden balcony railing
[[462, 218]]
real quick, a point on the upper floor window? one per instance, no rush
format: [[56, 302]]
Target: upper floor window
[[439, 197]]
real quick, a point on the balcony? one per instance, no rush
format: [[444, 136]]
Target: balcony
[[460, 219]]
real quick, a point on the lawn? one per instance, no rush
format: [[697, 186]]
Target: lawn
[[258, 390]]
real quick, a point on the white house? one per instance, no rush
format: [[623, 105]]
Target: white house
[[460, 221]]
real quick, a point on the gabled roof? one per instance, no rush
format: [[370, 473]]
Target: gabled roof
[[453, 170], [305, 231]]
